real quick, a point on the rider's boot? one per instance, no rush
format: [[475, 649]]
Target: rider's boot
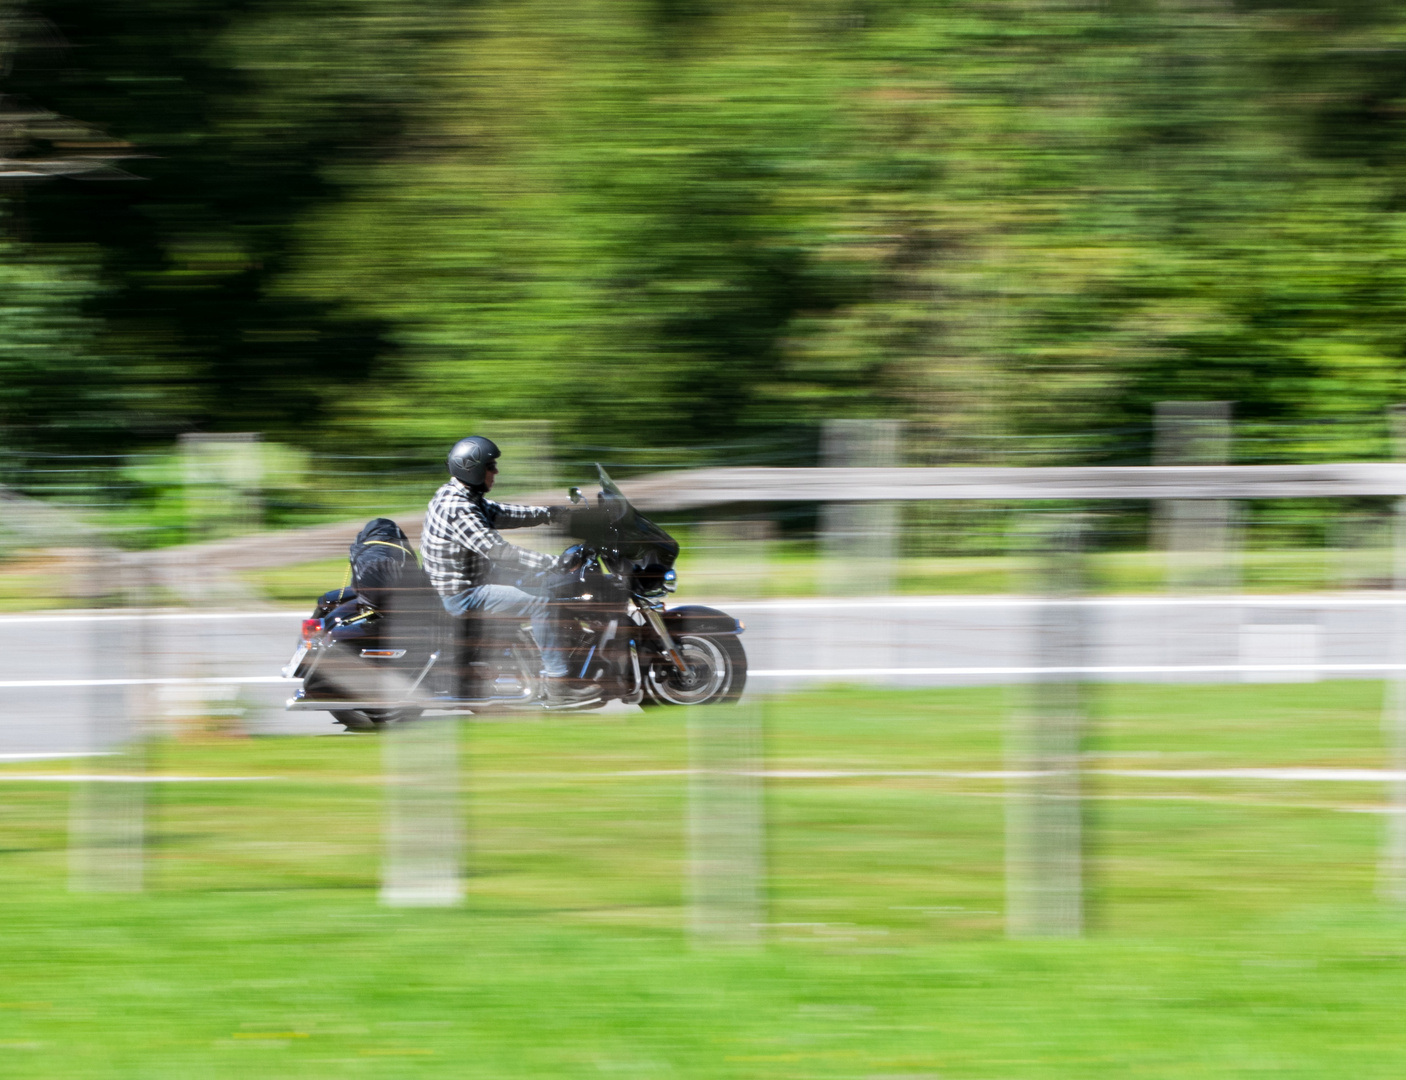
[[566, 691]]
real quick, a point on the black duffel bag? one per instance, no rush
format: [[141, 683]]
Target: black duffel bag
[[385, 572]]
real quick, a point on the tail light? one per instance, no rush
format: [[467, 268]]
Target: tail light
[[311, 628]]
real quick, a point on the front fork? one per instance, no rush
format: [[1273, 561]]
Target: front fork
[[656, 620]]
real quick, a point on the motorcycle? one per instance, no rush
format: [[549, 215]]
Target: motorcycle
[[376, 664]]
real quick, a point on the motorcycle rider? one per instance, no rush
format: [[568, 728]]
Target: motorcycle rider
[[461, 546]]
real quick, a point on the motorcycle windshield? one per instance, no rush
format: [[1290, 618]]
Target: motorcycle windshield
[[607, 485], [614, 523]]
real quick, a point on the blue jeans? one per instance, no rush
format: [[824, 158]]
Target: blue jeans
[[508, 600]]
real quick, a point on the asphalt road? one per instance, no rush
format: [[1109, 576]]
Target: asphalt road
[[78, 681]]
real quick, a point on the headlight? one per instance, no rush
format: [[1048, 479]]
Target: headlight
[[653, 580]]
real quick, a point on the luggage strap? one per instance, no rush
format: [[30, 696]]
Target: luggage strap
[[398, 547]]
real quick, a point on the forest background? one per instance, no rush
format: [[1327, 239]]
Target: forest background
[[370, 226]]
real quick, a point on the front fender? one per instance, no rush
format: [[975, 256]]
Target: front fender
[[704, 621]]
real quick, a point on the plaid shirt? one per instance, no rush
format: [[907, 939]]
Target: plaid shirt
[[460, 544]]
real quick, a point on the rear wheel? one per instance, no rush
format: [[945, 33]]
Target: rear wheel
[[716, 673], [373, 719], [319, 686]]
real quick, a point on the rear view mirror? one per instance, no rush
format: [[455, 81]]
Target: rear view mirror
[[577, 497]]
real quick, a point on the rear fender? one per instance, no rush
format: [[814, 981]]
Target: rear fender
[[700, 620]]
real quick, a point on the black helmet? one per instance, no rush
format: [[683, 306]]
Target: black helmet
[[470, 459]]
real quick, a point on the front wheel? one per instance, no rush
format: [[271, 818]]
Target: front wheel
[[717, 673]]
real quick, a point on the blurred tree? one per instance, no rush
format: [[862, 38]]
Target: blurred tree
[[595, 221], [1131, 204], [56, 391], [186, 247], [1017, 225]]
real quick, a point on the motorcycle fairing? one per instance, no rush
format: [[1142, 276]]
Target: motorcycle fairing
[[616, 525], [701, 620]]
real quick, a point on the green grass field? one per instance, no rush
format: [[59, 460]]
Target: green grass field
[[1235, 929]]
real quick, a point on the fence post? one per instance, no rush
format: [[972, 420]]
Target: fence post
[[726, 824], [726, 794], [1044, 810], [858, 540], [1393, 870], [107, 806], [1196, 533], [423, 851], [859, 548], [423, 860], [223, 481], [529, 463]]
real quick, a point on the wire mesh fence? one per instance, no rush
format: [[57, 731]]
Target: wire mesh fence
[[121, 685]]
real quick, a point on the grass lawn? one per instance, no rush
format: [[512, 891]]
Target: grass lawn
[[1235, 927]]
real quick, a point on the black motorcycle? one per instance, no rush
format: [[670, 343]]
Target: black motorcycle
[[391, 655]]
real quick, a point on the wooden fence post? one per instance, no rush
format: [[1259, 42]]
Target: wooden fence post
[[107, 806], [726, 793], [1197, 534], [1044, 808], [423, 851], [859, 540], [1393, 869]]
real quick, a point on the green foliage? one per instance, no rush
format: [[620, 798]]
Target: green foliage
[[695, 223], [185, 244], [48, 370]]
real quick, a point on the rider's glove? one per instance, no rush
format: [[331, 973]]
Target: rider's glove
[[560, 513]]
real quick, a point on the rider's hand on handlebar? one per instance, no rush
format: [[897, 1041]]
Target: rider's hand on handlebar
[[561, 513]]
